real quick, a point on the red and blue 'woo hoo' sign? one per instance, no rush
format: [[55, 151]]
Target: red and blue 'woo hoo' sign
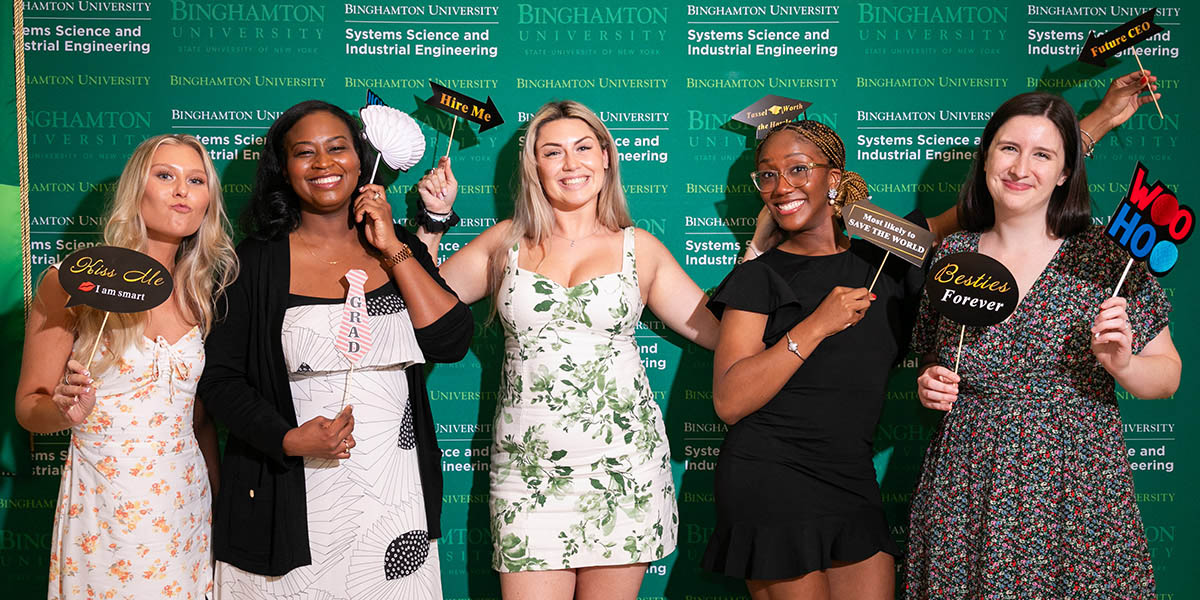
[[1149, 223]]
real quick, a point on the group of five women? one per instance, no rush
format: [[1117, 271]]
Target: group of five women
[[330, 483]]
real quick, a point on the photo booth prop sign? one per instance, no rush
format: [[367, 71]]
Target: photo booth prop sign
[[770, 111], [461, 105], [894, 234], [114, 280], [973, 289], [354, 330], [394, 134], [1097, 50], [1149, 223]]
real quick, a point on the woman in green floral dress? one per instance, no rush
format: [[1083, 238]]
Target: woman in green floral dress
[[582, 496]]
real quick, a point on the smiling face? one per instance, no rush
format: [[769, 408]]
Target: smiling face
[[803, 207], [176, 195], [570, 162], [1025, 162], [322, 165]]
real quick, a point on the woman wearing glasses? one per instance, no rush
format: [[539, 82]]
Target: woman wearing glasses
[[800, 371]]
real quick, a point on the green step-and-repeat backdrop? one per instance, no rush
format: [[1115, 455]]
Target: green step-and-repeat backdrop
[[909, 85]]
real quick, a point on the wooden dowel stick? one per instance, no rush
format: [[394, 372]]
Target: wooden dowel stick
[[1121, 282], [1148, 88], [97, 344], [958, 356], [346, 390], [881, 263], [451, 142], [376, 169]]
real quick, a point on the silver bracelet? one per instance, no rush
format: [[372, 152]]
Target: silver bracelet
[[793, 347], [750, 247], [1091, 149]]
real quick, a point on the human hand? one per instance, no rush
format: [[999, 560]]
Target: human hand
[[766, 232], [1124, 98], [439, 188], [76, 395], [372, 206], [1112, 336], [320, 437], [937, 387], [840, 309]]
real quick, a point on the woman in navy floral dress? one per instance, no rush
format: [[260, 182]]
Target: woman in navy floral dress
[[1026, 491]]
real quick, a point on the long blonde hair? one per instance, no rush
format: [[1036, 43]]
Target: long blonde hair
[[205, 263], [533, 219]]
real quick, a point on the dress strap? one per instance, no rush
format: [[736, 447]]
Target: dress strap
[[514, 253], [628, 261]]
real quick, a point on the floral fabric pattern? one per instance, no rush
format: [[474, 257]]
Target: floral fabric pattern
[[1026, 491], [580, 472], [134, 509]]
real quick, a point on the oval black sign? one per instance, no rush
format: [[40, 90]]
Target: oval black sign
[[972, 289], [114, 279]]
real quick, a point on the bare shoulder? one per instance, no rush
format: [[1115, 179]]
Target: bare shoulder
[[493, 236], [51, 298], [647, 244], [651, 253]]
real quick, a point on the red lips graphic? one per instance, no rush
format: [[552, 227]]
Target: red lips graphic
[[87, 286]]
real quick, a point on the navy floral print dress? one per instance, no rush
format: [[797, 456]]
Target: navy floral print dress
[[1026, 491]]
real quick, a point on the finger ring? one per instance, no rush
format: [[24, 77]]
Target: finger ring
[[376, 195], [346, 443]]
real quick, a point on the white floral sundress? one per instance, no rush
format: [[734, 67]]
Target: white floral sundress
[[580, 471], [134, 509]]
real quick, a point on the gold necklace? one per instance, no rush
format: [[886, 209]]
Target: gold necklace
[[308, 246]]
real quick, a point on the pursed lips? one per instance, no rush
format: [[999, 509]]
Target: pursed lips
[[1016, 186]]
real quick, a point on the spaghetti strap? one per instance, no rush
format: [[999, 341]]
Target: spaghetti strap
[[628, 261]]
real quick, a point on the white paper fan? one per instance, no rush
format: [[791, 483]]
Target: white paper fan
[[394, 134]]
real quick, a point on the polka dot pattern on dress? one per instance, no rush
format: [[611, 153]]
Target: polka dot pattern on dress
[[385, 304], [408, 438], [406, 554]]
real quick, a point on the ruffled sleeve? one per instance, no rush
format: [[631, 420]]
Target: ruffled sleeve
[[754, 286]]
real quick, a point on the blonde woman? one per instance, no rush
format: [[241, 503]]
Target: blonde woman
[[581, 489], [134, 507]]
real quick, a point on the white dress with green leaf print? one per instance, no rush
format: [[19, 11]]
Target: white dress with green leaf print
[[581, 471]]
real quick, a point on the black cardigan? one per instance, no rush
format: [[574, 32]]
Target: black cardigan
[[260, 519]]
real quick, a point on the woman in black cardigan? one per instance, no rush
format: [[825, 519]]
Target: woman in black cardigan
[[299, 507]]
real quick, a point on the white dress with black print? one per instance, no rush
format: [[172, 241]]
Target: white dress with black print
[[366, 514]]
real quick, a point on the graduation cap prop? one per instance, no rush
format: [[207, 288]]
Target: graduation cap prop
[[394, 134], [892, 233], [1149, 223], [1097, 50], [114, 280], [461, 105], [973, 289], [770, 111]]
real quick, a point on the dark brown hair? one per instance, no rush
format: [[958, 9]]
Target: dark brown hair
[[1070, 209]]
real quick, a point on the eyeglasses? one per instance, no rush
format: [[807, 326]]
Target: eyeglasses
[[796, 176]]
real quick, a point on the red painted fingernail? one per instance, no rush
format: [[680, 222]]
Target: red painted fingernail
[[872, 296]]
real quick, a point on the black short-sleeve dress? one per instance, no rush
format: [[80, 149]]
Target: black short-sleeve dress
[[795, 484]]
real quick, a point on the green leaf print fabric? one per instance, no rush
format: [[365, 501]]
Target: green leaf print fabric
[[581, 472]]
